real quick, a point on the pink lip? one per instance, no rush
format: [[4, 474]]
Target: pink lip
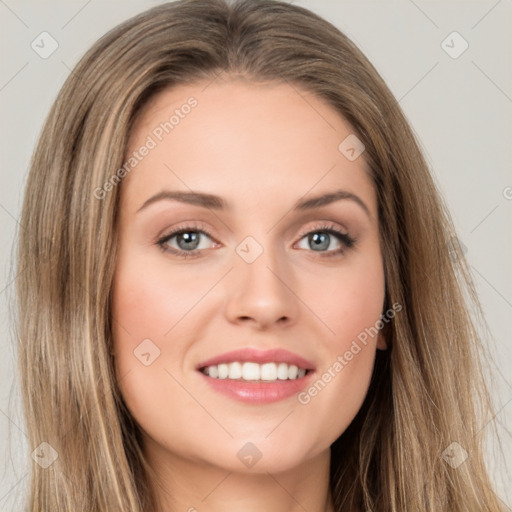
[[259, 391], [276, 355]]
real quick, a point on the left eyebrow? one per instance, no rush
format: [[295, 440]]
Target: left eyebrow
[[325, 199]]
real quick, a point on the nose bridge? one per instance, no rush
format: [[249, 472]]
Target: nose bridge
[[261, 263], [260, 282]]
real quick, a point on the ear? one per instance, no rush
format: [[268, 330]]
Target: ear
[[381, 341]]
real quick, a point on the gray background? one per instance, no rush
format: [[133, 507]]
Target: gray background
[[460, 108]]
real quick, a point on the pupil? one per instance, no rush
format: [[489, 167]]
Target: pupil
[[188, 238], [320, 241]]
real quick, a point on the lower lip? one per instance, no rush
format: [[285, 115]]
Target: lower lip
[[258, 392]]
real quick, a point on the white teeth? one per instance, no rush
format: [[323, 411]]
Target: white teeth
[[223, 371], [235, 371], [292, 372], [282, 371], [269, 372], [250, 371]]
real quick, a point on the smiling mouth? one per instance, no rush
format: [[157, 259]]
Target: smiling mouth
[[255, 372]]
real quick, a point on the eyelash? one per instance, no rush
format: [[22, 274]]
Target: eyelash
[[346, 240]]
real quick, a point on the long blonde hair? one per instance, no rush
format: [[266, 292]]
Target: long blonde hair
[[427, 390]]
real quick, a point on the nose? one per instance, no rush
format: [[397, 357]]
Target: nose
[[262, 292]]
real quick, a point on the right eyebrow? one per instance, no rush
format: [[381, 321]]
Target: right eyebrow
[[195, 198]]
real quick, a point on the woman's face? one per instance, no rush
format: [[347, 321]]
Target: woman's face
[[256, 274]]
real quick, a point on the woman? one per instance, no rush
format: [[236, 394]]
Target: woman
[[238, 291]]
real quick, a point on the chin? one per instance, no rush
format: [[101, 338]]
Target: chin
[[257, 455]]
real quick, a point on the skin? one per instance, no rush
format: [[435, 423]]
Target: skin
[[261, 147]]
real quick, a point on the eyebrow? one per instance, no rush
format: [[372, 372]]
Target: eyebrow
[[214, 202]]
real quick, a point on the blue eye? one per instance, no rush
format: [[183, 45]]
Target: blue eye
[[320, 240], [186, 241]]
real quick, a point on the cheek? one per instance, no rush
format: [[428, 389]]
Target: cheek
[[350, 302], [350, 306], [146, 308], [148, 301]]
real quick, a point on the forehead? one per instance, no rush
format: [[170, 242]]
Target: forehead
[[246, 141]]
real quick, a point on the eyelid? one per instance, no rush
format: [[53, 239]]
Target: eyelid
[[187, 226], [329, 227], [344, 238], [165, 236], [322, 225]]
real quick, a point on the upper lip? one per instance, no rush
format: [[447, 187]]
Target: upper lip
[[276, 355]]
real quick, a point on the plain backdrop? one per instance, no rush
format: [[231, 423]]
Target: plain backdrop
[[459, 104]]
